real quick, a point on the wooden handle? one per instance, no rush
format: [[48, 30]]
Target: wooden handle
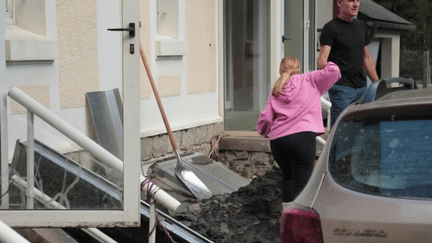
[[156, 93]]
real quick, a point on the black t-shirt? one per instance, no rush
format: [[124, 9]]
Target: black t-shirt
[[347, 41]]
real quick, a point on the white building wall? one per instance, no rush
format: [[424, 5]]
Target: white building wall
[[184, 109]]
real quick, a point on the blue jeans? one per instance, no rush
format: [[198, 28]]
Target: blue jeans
[[341, 97]]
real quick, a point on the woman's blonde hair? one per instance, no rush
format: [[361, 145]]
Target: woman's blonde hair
[[289, 66]]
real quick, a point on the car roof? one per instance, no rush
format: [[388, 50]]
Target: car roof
[[407, 97], [402, 98]]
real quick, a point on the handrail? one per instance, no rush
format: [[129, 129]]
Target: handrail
[[49, 202], [85, 142], [8, 235], [326, 105]]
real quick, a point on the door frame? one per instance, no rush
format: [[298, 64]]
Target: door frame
[[276, 49], [129, 216], [300, 27]]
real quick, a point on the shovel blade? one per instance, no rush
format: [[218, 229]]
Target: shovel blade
[[193, 183]]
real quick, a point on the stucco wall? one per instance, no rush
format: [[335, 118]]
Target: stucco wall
[[78, 45], [40, 92], [201, 40]]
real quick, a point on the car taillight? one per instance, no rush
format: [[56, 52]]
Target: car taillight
[[300, 224]]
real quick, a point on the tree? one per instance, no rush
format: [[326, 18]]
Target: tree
[[417, 12]]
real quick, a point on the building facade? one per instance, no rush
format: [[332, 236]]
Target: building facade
[[213, 62]]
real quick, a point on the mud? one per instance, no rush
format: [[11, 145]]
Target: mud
[[250, 215]]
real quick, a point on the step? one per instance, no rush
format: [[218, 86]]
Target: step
[[251, 141], [245, 141]]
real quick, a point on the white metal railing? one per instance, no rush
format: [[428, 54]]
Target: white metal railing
[[105, 157], [326, 106], [8, 235], [51, 203]]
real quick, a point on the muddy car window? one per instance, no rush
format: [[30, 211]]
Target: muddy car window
[[387, 157]]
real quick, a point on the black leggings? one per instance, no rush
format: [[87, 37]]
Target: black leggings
[[295, 155]]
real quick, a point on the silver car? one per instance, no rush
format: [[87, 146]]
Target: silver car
[[373, 180]]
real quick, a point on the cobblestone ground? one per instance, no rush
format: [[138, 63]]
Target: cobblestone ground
[[251, 214]]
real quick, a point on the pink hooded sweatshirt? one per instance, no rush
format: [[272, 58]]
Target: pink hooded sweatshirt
[[298, 107]]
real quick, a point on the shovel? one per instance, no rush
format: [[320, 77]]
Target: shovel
[[186, 176]]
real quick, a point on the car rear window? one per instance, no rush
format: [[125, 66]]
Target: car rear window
[[385, 156]]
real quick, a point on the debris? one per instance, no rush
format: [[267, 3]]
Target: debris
[[250, 214]]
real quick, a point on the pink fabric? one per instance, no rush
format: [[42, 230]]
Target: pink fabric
[[298, 107]]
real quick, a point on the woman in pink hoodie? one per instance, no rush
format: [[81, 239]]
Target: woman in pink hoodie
[[292, 119]]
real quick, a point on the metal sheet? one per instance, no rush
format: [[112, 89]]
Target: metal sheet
[[218, 178], [106, 109]]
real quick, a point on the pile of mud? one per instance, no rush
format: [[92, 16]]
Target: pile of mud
[[250, 214]]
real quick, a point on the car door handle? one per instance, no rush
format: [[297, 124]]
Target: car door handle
[[131, 29]]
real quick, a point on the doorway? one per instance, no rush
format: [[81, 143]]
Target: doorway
[[246, 62]]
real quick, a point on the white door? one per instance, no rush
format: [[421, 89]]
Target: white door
[[72, 54]]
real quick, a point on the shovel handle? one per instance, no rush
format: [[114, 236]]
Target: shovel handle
[[156, 93]]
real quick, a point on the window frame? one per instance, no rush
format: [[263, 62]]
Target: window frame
[[10, 13]]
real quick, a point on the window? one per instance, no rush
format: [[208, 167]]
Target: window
[[385, 156], [167, 18], [168, 41], [26, 28], [9, 12]]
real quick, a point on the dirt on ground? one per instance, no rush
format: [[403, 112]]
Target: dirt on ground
[[251, 214]]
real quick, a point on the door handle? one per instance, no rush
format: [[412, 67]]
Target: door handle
[[131, 29], [285, 38]]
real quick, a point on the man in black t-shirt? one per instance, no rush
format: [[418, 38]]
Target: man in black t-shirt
[[344, 41]]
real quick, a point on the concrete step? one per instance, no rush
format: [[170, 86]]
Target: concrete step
[[251, 141], [245, 141]]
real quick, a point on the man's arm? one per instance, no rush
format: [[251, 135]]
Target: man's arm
[[323, 56], [369, 65]]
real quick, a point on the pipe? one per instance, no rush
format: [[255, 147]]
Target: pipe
[[320, 140], [68, 130], [160, 195], [152, 223], [325, 104], [95, 149], [8, 235]]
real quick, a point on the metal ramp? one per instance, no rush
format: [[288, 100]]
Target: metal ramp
[[218, 178]]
